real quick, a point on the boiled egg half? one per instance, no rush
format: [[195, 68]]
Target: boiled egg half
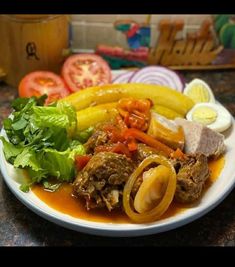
[[199, 91], [212, 115]]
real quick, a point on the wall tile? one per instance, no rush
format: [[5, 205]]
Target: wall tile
[[94, 18], [155, 18], [197, 19], [96, 33], [90, 30], [78, 35], [137, 18]]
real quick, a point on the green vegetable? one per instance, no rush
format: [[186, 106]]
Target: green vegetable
[[25, 188], [42, 140], [51, 186], [83, 136]]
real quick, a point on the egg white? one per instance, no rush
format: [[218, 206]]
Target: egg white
[[223, 120], [199, 81]]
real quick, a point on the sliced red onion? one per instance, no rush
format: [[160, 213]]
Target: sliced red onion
[[182, 79], [123, 77], [158, 75]]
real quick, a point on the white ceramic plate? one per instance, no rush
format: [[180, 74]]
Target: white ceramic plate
[[213, 196]]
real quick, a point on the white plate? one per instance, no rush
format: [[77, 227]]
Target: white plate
[[213, 196]]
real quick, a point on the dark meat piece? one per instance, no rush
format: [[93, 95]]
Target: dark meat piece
[[143, 152], [98, 138], [192, 174], [102, 180]]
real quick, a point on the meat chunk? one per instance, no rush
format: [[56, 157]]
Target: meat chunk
[[143, 152], [201, 139], [192, 174], [102, 180], [98, 138]]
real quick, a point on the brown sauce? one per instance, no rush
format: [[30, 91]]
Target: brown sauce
[[63, 201]]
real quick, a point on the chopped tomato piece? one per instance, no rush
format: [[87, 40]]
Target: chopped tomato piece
[[81, 161]]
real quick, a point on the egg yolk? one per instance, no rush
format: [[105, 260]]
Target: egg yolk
[[204, 115], [198, 93]]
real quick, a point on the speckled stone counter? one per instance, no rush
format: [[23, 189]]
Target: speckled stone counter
[[21, 227]]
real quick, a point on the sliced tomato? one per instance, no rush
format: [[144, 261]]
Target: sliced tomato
[[38, 83], [85, 70]]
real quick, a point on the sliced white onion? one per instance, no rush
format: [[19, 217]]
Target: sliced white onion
[[123, 77], [158, 75]]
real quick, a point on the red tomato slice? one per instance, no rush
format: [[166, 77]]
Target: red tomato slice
[[43, 82], [85, 70]]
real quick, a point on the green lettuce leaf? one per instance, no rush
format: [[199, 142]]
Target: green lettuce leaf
[[42, 140], [10, 150], [83, 136]]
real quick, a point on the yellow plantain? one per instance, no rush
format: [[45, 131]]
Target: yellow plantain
[[93, 115], [160, 95]]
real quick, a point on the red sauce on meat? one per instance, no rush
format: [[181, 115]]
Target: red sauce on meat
[[63, 201]]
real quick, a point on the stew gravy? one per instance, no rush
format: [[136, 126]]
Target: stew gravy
[[63, 201]]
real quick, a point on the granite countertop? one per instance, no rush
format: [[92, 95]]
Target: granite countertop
[[21, 227]]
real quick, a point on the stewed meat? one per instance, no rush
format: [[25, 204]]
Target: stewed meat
[[102, 180], [98, 138], [143, 152], [192, 174]]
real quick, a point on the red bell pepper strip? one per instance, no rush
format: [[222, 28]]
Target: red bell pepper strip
[[148, 140]]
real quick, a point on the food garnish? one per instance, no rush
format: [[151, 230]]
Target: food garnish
[[123, 77], [41, 139], [85, 70], [214, 116], [152, 189], [39, 83], [167, 197], [199, 91], [153, 75]]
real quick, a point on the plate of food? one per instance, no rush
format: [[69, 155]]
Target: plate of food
[[140, 154]]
